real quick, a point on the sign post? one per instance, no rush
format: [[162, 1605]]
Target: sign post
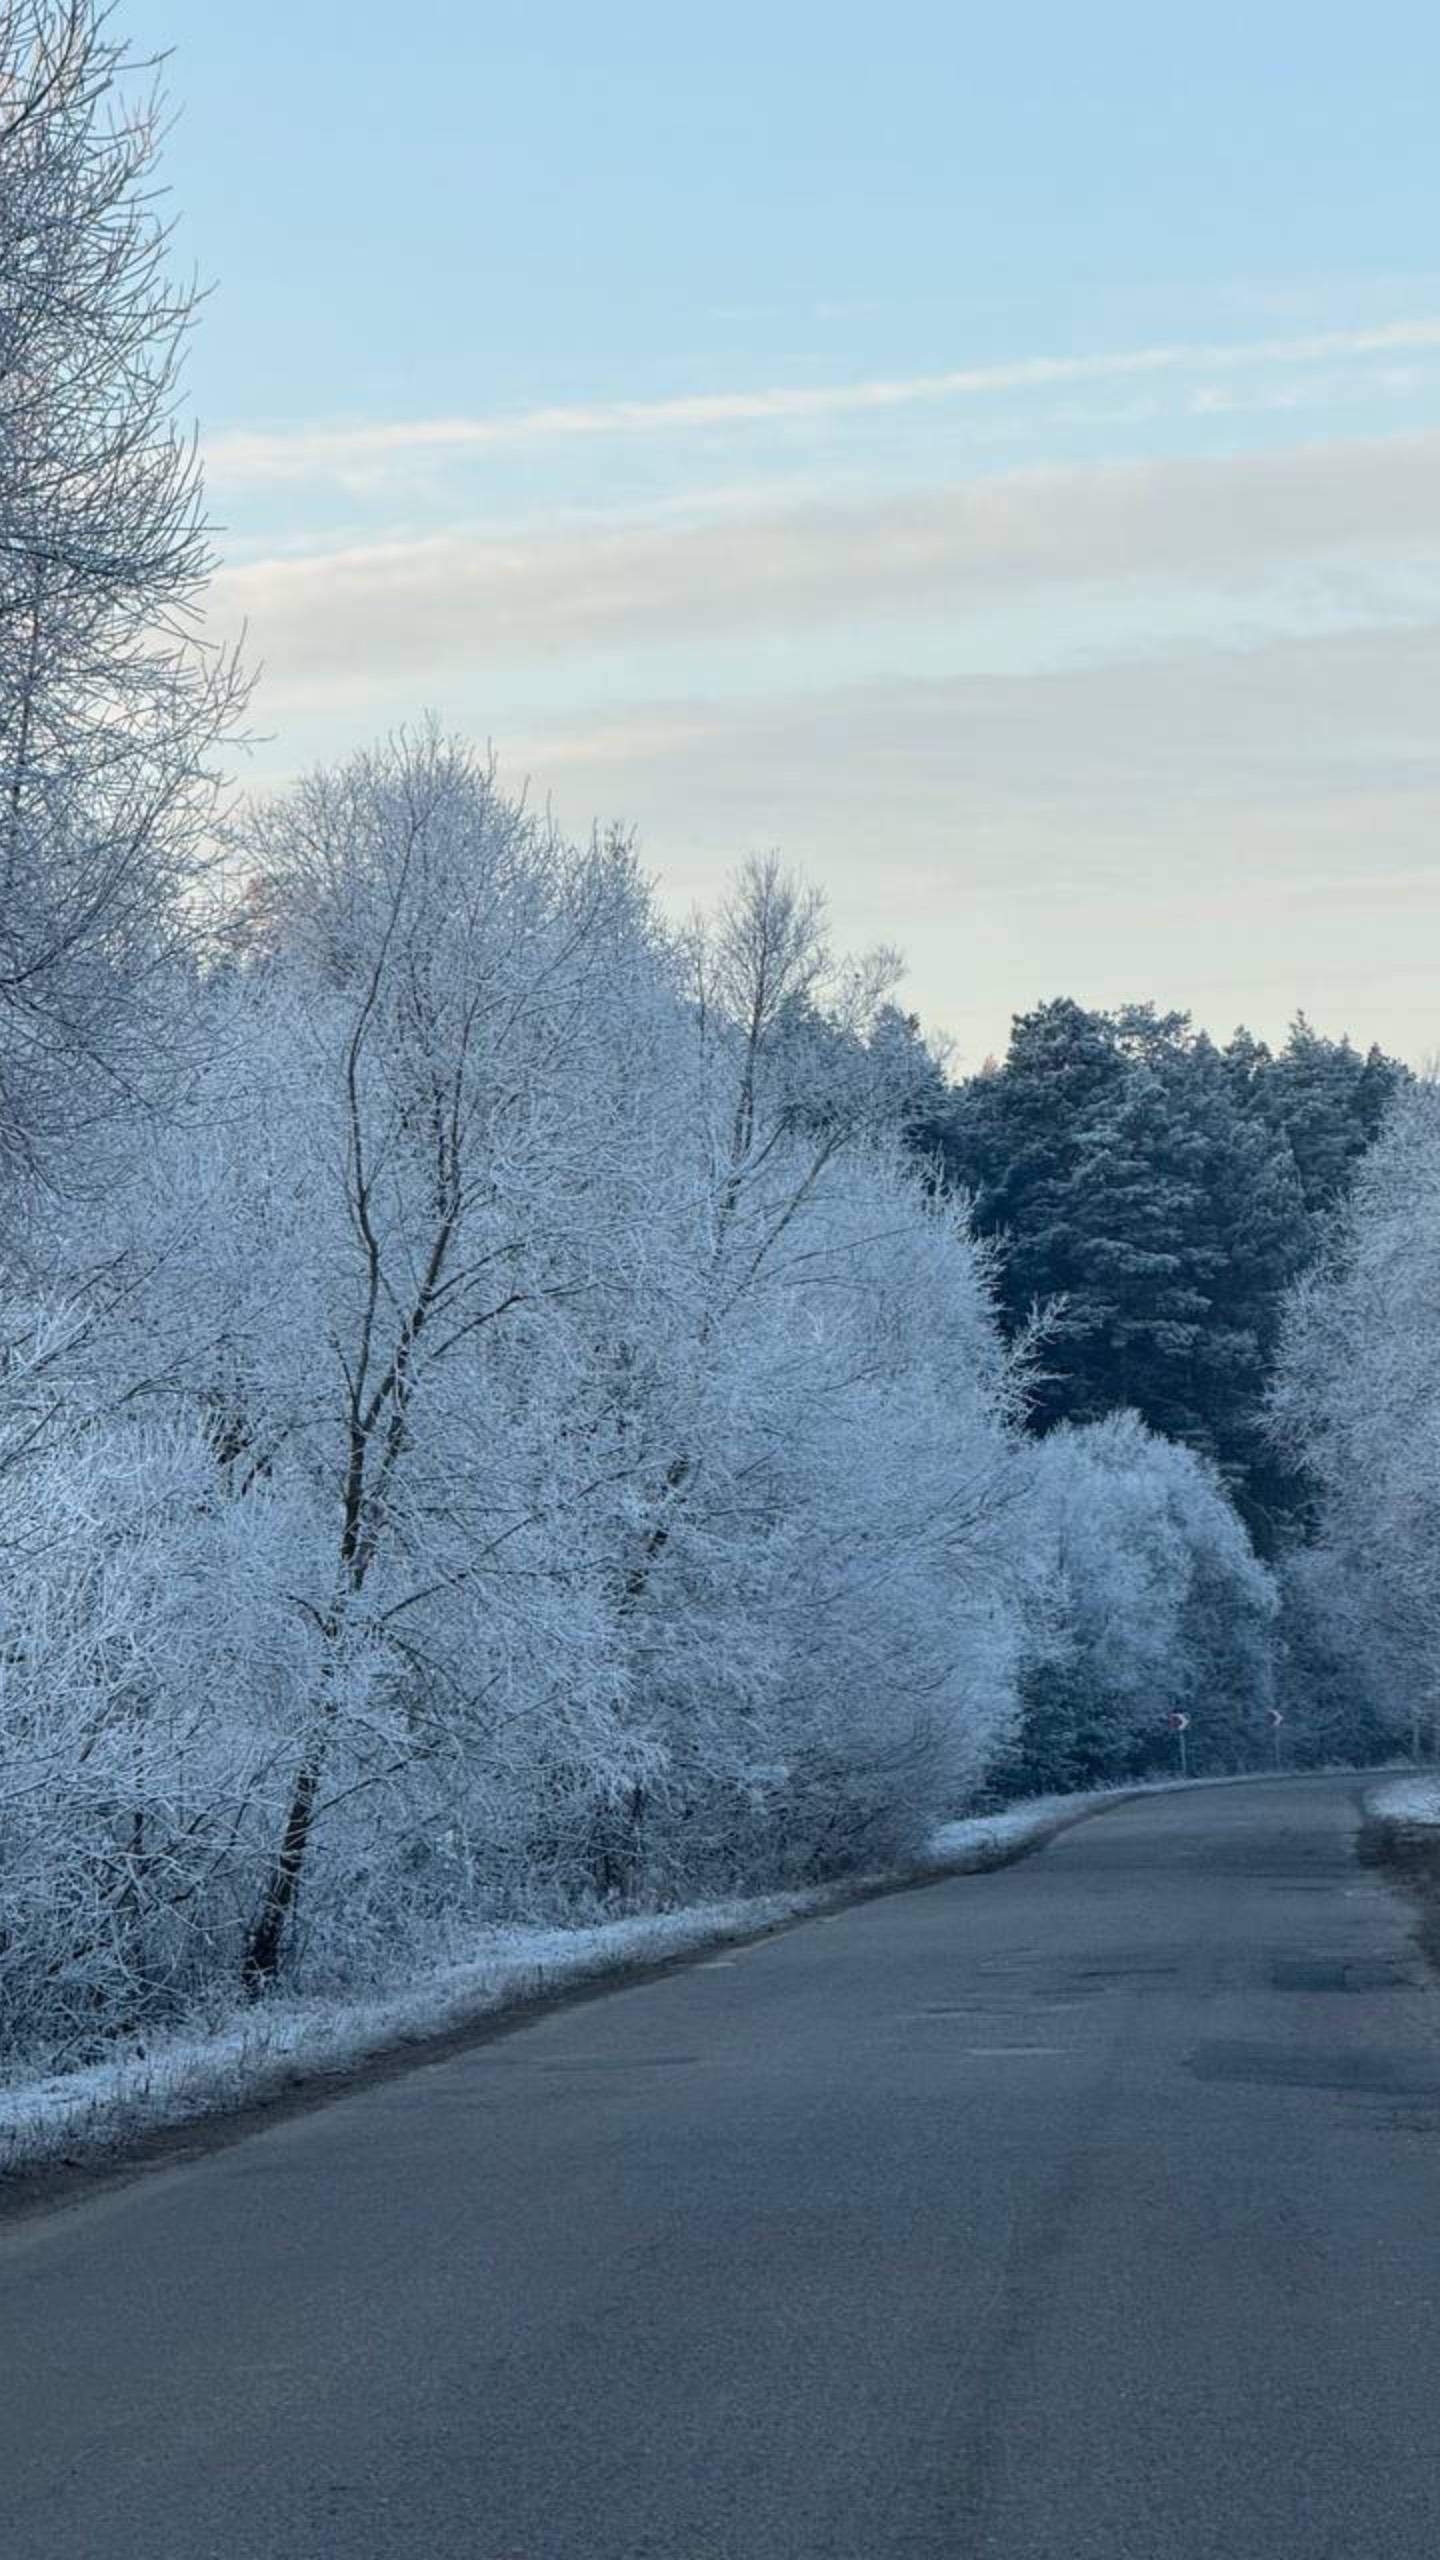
[[1274, 1719], [1180, 1725]]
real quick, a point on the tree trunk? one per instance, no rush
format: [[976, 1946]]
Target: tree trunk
[[260, 1964]]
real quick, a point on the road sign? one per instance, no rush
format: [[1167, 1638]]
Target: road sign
[[1178, 1723], [1273, 1716]]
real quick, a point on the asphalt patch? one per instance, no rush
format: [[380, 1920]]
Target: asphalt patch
[[1320, 1973], [1379, 2072]]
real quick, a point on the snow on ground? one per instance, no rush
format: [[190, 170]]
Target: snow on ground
[[1414, 1800], [87, 2114], [990, 1839]]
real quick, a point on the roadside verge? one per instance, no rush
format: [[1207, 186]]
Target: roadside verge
[[179, 2094], [1400, 1832], [190, 2092]]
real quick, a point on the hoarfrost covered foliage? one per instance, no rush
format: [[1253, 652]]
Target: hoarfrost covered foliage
[[1149, 1602], [1357, 1400], [110, 707], [533, 1440]]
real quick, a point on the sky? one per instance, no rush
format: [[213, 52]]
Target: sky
[[993, 458]]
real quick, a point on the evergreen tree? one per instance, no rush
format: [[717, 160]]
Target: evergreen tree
[[1329, 1101], [1011, 1141], [1139, 1299], [1159, 1196]]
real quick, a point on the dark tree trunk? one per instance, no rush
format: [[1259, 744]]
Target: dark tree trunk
[[260, 1964]]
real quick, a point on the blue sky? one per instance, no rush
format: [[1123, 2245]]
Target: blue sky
[[999, 462]]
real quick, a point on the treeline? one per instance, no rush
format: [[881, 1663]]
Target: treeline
[[524, 1432], [1156, 1202], [510, 1409]]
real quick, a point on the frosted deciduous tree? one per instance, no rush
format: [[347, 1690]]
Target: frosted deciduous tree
[[813, 1607], [110, 706], [1357, 1394], [1344, 1679], [1149, 1600], [458, 978]]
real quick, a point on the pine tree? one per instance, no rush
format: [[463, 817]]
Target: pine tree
[[1012, 1141], [1330, 1101], [1133, 1207], [1160, 1195]]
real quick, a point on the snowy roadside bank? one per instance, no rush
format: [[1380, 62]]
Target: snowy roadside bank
[[1411, 1803], [1400, 1833], [1400, 1828], [295, 2048]]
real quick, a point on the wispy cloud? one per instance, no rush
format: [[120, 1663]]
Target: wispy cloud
[[1365, 511], [332, 451]]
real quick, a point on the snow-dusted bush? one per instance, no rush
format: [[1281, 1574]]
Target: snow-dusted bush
[[815, 1608]]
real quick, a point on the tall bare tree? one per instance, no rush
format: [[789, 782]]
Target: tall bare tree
[[111, 706]]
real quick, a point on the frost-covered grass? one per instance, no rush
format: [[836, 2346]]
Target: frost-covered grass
[[993, 1839], [261, 2055], [1412, 1801], [1401, 1835]]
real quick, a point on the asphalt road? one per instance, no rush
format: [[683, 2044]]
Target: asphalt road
[[1086, 2211]]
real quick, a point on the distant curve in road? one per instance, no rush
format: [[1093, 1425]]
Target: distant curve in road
[[1085, 2211]]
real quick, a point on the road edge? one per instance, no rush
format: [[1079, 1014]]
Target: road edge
[[113, 2153], [1405, 1848]]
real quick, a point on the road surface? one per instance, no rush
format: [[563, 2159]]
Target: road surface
[[1086, 2211]]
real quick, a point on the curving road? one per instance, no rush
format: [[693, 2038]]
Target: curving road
[[1086, 2211]]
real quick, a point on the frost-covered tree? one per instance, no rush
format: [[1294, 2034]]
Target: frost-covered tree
[[1328, 1098], [1357, 1395], [826, 1408], [1150, 1600], [110, 706], [1343, 1681], [390, 1164], [458, 980]]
